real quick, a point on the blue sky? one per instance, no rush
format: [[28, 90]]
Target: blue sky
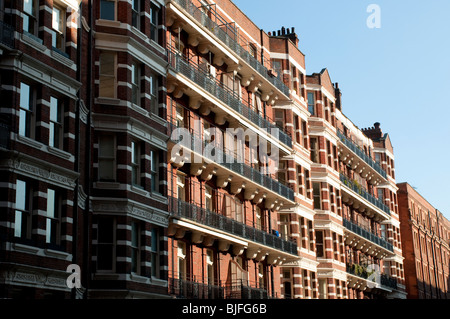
[[398, 75]]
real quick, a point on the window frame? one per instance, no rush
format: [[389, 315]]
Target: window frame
[[102, 2], [112, 158], [136, 83], [54, 123], [25, 211], [312, 103], [155, 253], [136, 163], [29, 111], [103, 76], [154, 25], [53, 221], [32, 18], [100, 243], [59, 34], [154, 171], [135, 246], [153, 92]]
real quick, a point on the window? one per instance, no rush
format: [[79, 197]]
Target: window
[[154, 171], [107, 85], [135, 84], [22, 223], [311, 235], [284, 226], [182, 255], [108, 9], [380, 194], [135, 13], [319, 244], [279, 118], [107, 158], [135, 163], [56, 132], [105, 244], [323, 289], [315, 150], [154, 22], [261, 275], [135, 247], [154, 251], [59, 28], [300, 185], [30, 22], [181, 183], [311, 103], [26, 117], [209, 204], [210, 266], [317, 196], [53, 217], [154, 84]]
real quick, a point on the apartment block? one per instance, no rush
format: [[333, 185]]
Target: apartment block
[[425, 237], [174, 149]]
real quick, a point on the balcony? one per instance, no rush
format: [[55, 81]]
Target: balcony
[[371, 168], [229, 232], [229, 170], [195, 289], [370, 202], [226, 96], [365, 240], [233, 42], [6, 34]]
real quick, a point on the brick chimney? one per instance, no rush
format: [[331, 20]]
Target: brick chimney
[[374, 132]]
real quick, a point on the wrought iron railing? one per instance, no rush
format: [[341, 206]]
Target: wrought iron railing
[[229, 160], [193, 288], [181, 209], [216, 88], [232, 43], [367, 234], [361, 191], [360, 153]]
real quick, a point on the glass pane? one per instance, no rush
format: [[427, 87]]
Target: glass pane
[[18, 224], [155, 240], [21, 195], [105, 230], [107, 64], [134, 235], [106, 147], [26, 24], [25, 96], [105, 257], [106, 170], [107, 10], [28, 6], [56, 22], [51, 203], [54, 110]]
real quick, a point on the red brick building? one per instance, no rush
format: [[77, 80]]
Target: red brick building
[[425, 237]]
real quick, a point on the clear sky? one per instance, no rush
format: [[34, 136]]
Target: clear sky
[[398, 75]]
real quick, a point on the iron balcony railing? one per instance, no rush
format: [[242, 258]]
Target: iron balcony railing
[[367, 234], [365, 194], [181, 209], [231, 43], [6, 34], [192, 288], [229, 160], [230, 98], [360, 153]]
